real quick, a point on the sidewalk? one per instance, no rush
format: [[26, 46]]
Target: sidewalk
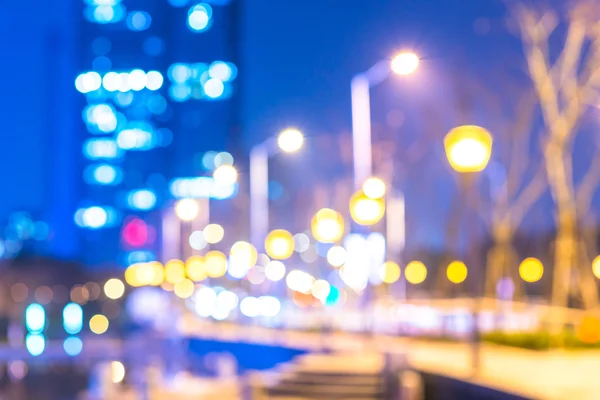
[[544, 375]]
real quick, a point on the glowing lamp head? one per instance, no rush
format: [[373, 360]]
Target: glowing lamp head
[[327, 226], [225, 175], [187, 209], [405, 63], [366, 210], [468, 148], [374, 188], [456, 272], [290, 140], [531, 270], [279, 244]]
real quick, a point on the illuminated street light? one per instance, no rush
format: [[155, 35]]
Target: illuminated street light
[[187, 209], [374, 188], [290, 140], [404, 63], [225, 175], [531, 270], [279, 244], [468, 148], [456, 272], [415, 272], [327, 226], [366, 210], [596, 267]]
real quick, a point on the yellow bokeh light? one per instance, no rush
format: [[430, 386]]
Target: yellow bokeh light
[[117, 372], [290, 140], [215, 264], [114, 288], [158, 273], [531, 270], [336, 256], [187, 209], [244, 252], [468, 148], [99, 324], [131, 275], [225, 175], [327, 226], [194, 268], [405, 63], [374, 188], [279, 244], [415, 272], [389, 272], [457, 272], [596, 267], [184, 289], [320, 289], [365, 210], [174, 271], [213, 233]]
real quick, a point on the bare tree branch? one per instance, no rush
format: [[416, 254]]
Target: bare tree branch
[[528, 197], [588, 186]]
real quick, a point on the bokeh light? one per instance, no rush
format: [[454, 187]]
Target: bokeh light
[[336, 256], [187, 209], [456, 272], [197, 240], [184, 289], [320, 289], [213, 233], [117, 371], [290, 140], [194, 268], [35, 344], [327, 226], [405, 63], [299, 281], [531, 270], [596, 267], [225, 175], [35, 318], [275, 271], [415, 272], [215, 264], [99, 324], [174, 271], [366, 210], [389, 272], [73, 346], [374, 188], [72, 318], [244, 252], [279, 244], [114, 288]]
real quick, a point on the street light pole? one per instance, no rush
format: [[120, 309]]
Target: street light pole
[[259, 193], [360, 86], [289, 141]]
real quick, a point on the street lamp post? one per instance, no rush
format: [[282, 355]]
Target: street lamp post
[[468, 149], [403, 64], [289, 141]]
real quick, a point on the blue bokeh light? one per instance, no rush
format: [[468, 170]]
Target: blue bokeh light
[[142, 199], [199, 17], [138, 20], [35, 343], [35, 318], [73, 346], [73, 318]]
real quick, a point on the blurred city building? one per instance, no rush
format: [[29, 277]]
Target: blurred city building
[[157, 81]]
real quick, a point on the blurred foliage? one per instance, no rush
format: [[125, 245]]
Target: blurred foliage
[[541, 340]]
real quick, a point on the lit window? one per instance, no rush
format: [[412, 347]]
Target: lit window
[[138, 20], [214, 88], [199, 17], [141, 199]]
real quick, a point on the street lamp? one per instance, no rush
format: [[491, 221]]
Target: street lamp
[[403, 64], [468, 149], [327, 226], [289, 141]]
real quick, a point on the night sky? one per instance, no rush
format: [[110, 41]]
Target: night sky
[[297, 59]]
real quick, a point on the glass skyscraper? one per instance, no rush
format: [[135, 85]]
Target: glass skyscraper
[[157, 82]]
